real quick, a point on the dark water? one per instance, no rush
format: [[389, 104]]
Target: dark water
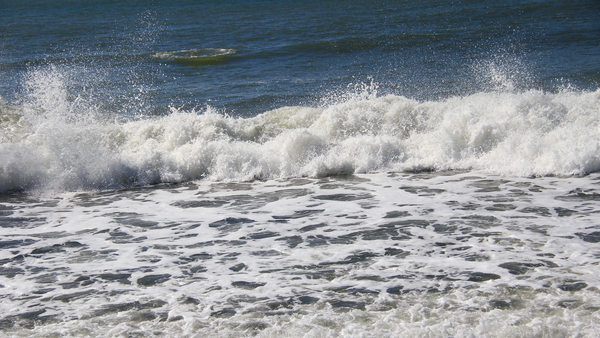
[[133, 53]]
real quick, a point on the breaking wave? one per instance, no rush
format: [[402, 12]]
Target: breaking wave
[[55, 142]]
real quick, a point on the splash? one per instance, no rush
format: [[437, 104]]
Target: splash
[[59, 141]]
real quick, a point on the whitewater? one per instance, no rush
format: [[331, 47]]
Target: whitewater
[[365, 216], [52, 142], [446, 254]]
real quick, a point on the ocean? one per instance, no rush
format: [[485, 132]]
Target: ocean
[[275, 168]]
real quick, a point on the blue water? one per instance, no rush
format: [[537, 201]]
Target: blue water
[[295, 52]]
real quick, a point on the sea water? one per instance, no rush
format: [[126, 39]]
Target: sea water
[[299, 169]]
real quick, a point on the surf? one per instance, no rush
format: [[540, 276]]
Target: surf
[[53, 142]]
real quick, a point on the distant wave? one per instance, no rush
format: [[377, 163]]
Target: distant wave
[[198, 57], [524, 134]]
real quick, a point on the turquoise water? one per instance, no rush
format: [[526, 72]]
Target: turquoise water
[[299, 169]]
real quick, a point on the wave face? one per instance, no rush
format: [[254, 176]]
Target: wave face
[[56, 143]]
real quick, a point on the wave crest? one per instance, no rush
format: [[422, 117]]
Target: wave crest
[[524, 134]]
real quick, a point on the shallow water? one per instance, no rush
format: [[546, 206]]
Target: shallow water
[[442, 254]]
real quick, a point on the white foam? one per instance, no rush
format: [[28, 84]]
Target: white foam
[[62, 143], [452, 227]]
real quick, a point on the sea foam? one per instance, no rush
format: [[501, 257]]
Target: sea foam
[[53, 141]]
